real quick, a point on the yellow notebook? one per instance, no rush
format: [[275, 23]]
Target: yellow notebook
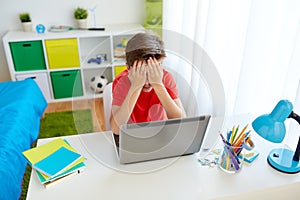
[[35, 155]]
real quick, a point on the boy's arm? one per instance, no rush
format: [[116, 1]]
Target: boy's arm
[[120, 114], [173, 108]]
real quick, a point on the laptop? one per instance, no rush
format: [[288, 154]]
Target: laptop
[[160, 139]]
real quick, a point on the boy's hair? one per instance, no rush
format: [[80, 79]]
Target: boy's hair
[[143, 46]]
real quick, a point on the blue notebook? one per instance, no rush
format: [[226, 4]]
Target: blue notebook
[[57, 162]]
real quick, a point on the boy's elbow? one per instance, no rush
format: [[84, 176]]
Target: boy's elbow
[[113, 126], [115, 130]]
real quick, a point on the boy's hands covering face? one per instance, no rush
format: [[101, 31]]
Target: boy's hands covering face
[[154, 71], [145, 73], [137, 74]]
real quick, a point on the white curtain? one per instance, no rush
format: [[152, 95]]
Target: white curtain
[[254, 44]]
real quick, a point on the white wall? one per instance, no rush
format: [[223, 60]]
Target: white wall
[[60, 12]]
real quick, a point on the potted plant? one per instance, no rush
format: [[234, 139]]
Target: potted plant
[[26, 21], [81, 14]]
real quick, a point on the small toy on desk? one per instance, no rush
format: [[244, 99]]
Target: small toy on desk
[[98, 83]]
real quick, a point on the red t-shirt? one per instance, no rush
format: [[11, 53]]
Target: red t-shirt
[[148, 107]]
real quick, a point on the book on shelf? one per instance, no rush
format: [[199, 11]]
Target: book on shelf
[[54, 161], [119, 51]]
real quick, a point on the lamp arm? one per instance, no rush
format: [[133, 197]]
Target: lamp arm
[[297, 152]]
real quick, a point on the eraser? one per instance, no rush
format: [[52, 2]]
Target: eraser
[[250, 156]]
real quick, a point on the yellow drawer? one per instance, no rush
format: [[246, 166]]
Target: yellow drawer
[[62, 53], [119, 69]]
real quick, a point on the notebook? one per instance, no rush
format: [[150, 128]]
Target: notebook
[[57, 162], [53, 157], [160, 139]]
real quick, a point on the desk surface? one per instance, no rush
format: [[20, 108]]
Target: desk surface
[[174, 178]]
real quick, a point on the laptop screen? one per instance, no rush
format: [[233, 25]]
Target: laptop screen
[[161, 139]]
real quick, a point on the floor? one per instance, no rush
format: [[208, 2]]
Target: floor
[[96, 106]]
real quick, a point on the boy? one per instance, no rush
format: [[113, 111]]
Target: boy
[[144, 91]]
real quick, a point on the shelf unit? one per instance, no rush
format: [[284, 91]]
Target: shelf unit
[[58, 61]]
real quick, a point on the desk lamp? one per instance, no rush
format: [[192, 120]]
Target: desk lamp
[[271, 127]]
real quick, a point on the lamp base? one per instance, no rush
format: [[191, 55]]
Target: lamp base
[[282, 160]]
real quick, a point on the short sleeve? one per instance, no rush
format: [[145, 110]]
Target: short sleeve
[[170, 84], [120, 88]]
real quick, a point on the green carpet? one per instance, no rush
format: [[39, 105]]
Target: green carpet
[[60, 124], [66, 123]]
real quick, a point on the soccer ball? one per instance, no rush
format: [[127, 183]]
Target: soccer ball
[[98, 83]]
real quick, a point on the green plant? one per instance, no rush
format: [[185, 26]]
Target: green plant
[[25, 17], [80, 13]]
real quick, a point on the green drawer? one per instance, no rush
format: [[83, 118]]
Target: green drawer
[[66, 84], [28, 55]]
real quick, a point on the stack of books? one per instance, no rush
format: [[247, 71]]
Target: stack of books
[[119, 52], [55, 161]]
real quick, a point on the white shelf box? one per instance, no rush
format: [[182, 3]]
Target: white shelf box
[[42, 81]]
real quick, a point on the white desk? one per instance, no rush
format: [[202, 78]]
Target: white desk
[[175, 178]]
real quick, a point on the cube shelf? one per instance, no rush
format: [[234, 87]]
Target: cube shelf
[[64, 63]]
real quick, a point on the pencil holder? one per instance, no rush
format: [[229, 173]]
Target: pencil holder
[[231, 160]]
